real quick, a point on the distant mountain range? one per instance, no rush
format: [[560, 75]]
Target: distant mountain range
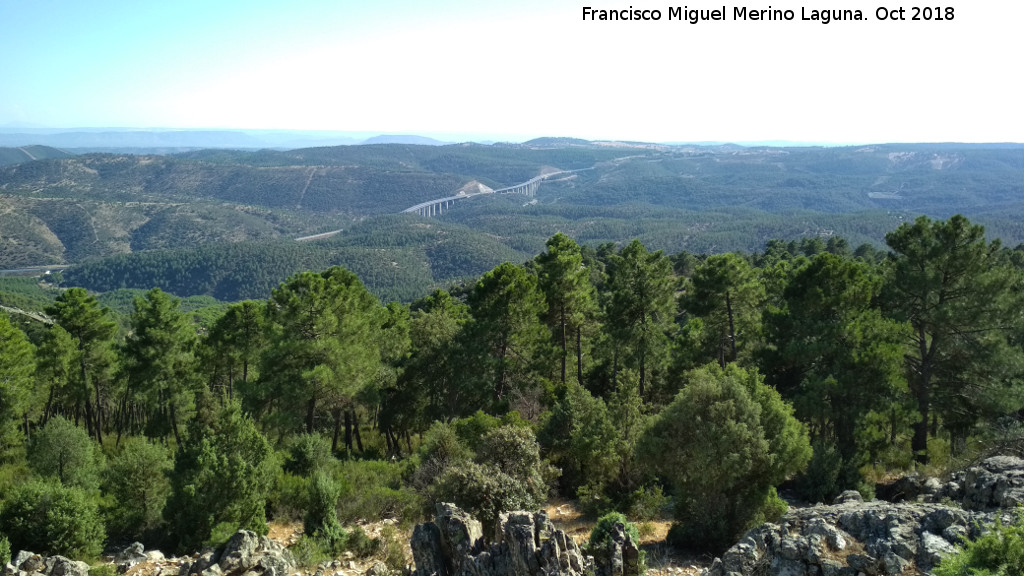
[[164, 141]]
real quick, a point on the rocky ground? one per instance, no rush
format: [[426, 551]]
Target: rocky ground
[[908, 536], [921, 520]]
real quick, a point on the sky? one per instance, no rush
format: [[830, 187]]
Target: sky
[[515, 70]]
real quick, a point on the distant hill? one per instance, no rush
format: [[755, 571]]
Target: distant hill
[[122, 215], [549, 142], [21, 154], [397, 257], [399, 139]]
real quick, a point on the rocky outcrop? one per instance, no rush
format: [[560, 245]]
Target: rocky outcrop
[[524, 544], [926, 519], [852, 538], [29, 564], [245, 554], [996, 483]]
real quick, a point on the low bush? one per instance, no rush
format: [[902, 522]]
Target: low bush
[[307, 453], [1000, 552], [648, 503], [137, 479], [392, 548], [45, 515], [65, 451], [373, 490], [601, 535], [723, 444], [5, 550], [321, 520], [289, 496]]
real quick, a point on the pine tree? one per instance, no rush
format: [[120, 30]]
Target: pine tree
[[159, 359], [93, 329], [571, 299], [726, 294], [945, 280], [642, 310], [17, 364], [508, 343]]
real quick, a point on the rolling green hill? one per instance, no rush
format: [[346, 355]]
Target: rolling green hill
[[220, 222], [9, 156]]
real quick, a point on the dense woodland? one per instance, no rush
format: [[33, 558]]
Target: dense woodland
[[149, 212], [627, 379]]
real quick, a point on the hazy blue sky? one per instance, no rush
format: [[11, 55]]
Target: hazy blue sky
[[511, 69]]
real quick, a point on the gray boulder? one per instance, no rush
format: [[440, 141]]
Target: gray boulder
[[245, 554], [851, 538], [525, 544], [996, 483], [130, 556], [61, 566]]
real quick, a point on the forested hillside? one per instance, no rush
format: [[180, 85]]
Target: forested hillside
[[704, 199], [623, 378]]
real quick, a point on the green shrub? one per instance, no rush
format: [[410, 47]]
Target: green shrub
[[308, 552], [722, 444], [321, 520], [45, 515], [472, 429], [137, 479], [308, 453], [222, 475], [373, 490], [5, 551], [1000, 552], [484, 491], [593, 501], [820, 482], [647, 503], [441, 444], [64, 451], [289, 496], [582, 440], [514, 451], [103, 570], [601, 535], [360, 544], [392, 548]]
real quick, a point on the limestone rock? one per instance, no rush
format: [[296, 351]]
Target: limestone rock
[[525, 544], [61, 566], [130, 556], [998, 482], [849, 539]]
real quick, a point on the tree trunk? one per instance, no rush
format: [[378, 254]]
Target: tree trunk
[[643, 374], [89, 419], [49, 405], [174, 427], [348, 432], [99, 417], [732, 328], [355, 427], [923, 394], [565, 351], [337, 430], [499, 389], [615, 369], [579, 358], [310, 415]]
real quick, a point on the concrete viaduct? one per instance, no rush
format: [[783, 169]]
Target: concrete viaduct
[[529, 188]]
